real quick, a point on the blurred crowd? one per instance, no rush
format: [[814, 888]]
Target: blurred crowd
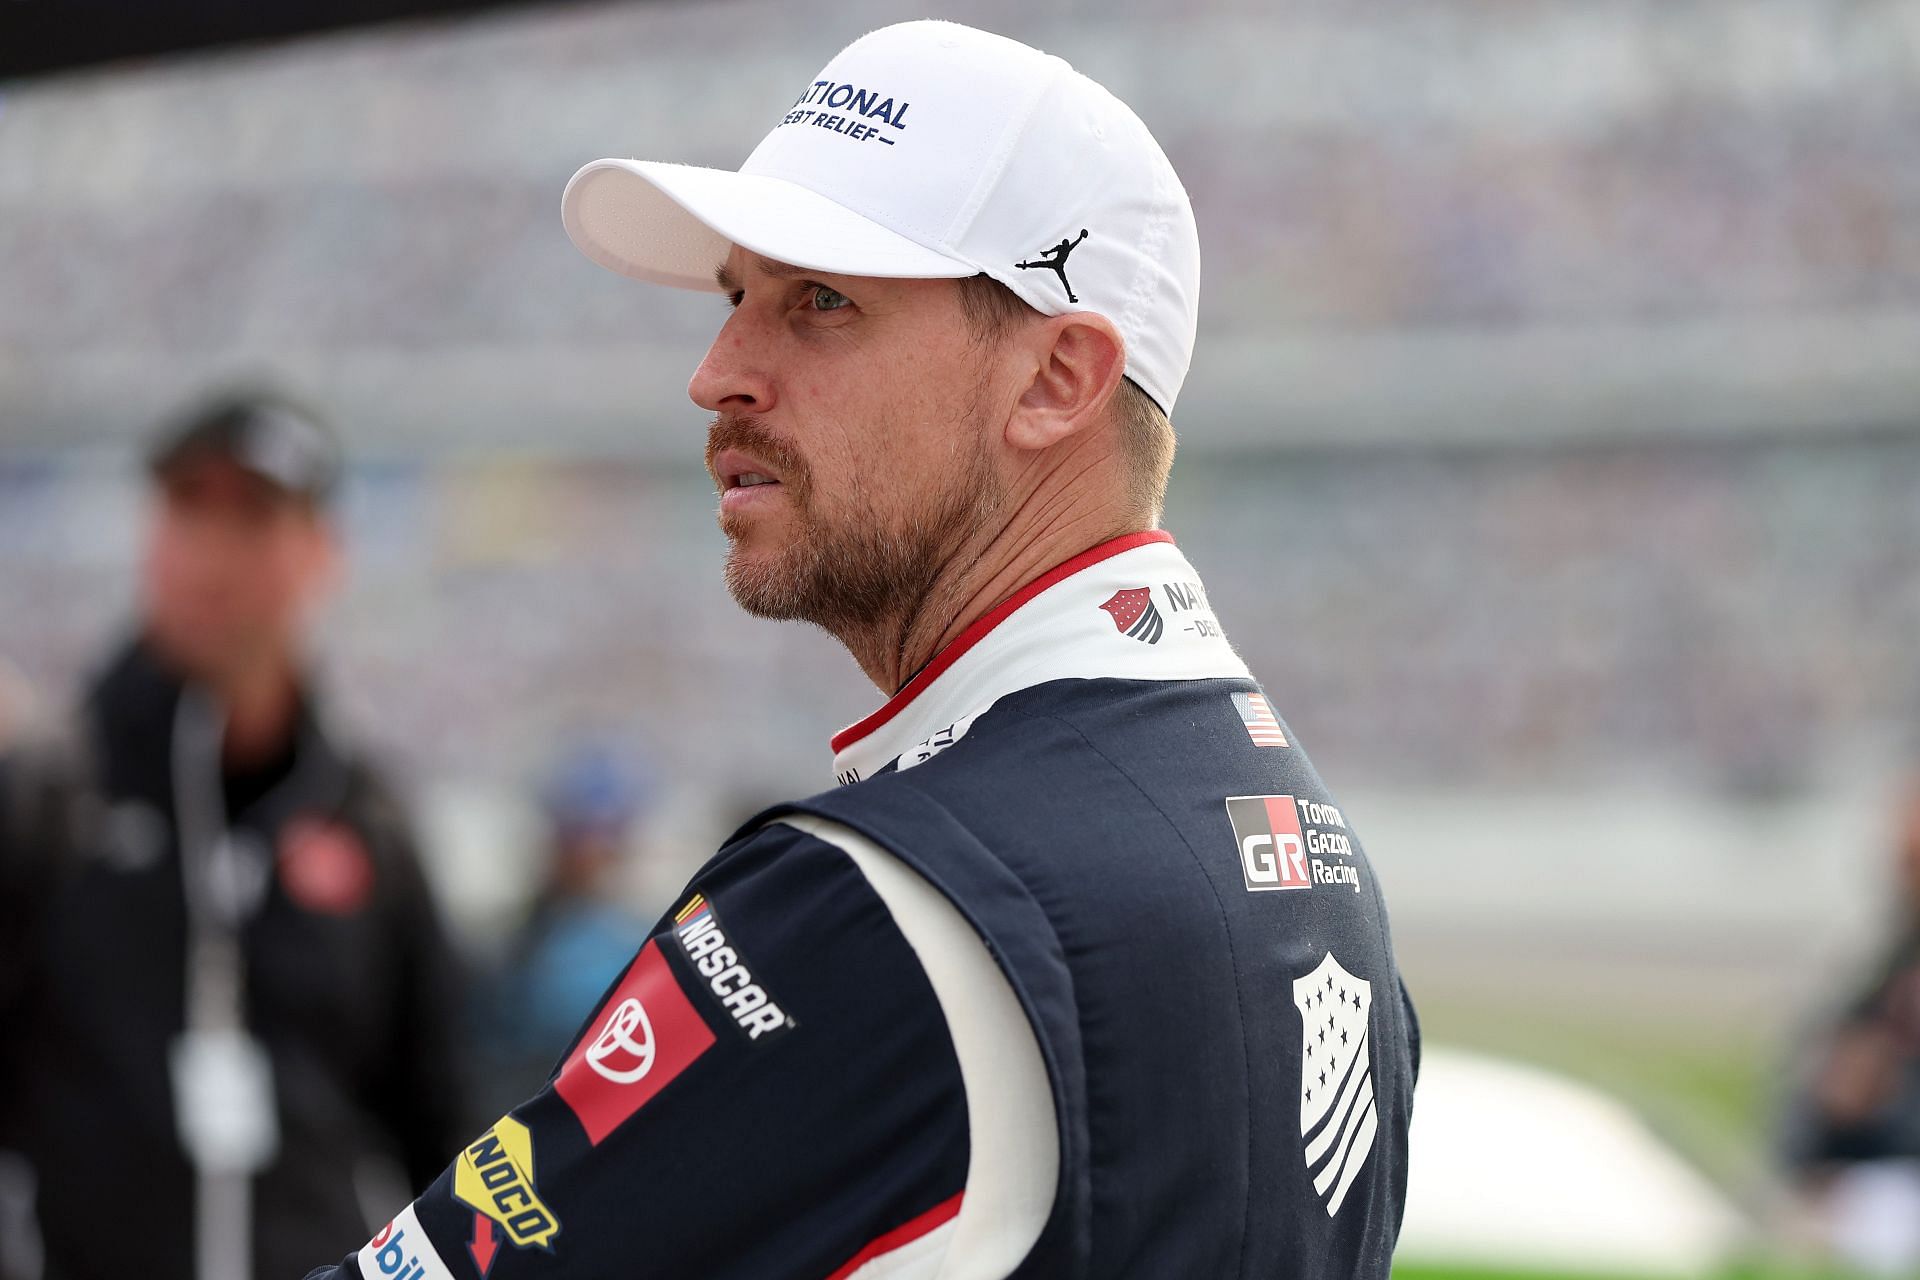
[[1458, 163], [1560, 569], [1373, 184]]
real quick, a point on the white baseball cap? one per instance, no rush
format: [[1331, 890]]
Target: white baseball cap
[[932, 150]]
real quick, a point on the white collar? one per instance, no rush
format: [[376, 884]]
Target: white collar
[[1129, 609]]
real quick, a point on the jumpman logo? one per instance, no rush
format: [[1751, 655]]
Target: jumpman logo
[[1055, 260]]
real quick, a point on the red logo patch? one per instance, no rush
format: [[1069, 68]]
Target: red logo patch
[[645, 1034], [325, 867]]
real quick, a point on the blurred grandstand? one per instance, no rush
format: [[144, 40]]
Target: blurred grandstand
[[1552, 449]]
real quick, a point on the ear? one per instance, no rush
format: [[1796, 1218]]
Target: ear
[[1080, 363]]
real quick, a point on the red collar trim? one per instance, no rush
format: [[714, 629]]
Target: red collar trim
[[977, 632]]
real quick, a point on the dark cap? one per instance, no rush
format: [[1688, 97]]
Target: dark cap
[[268, 435]]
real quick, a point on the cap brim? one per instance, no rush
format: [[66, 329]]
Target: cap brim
[[673, 224]]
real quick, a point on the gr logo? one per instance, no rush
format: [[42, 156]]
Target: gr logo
[[1267, 831]]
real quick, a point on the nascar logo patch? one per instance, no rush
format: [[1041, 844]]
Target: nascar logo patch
[[696, 926]]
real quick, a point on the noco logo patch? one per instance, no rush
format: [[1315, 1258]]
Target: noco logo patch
[[724, 971], [1280, 851], [494, 1177], [645, 1034]]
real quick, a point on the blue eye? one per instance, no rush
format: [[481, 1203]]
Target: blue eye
[[825, 299]]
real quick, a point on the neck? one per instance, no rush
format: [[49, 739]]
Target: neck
[[1046, 521], [262, 704]]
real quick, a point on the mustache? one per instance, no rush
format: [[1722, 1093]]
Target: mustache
[[751, 435]]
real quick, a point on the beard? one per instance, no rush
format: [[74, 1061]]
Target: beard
[[866, 565]]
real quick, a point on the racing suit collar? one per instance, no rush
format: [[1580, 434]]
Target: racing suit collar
[[1131, 608]]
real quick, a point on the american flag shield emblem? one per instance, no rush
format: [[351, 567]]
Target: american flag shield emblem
[[1338, 1119], [1134, 614], [1262, 726]]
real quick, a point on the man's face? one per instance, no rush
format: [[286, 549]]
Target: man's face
[[853, 439], [233, 566]]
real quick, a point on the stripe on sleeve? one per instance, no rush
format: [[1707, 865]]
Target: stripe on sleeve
[[900, 1237]]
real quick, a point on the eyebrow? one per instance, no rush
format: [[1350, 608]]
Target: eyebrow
[[765, 266]]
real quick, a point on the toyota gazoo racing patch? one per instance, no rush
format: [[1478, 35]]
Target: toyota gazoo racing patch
[[724, 971], [1286, 843]]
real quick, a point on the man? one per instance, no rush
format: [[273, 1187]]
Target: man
[[1851, 1131], [16, 704], [578, 930], [1079, 973], [222, 984]]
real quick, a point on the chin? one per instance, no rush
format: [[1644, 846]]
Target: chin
[[206, 656], [790, 577], [765, 597], [190, 657], [760, 581]]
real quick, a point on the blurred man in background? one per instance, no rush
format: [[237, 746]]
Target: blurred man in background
[[578, 933], [1853, 1133], [223, 986], [16, 704]]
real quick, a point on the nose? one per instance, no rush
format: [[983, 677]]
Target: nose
[[733, 378]]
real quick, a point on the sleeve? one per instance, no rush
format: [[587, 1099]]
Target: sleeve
[[769, 1090], [38, 799], [16, 922]]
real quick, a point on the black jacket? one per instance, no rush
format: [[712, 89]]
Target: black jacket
[[350, 987]]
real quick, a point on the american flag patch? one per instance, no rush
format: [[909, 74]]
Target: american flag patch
[[1259, 719]]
